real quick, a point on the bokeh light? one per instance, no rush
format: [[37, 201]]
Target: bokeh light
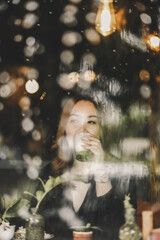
[[67, 81], [3, 6], [26, 113], [89, 76], [75, 1], [67, 57], [27, 124], [32, 86], [89, 58], [29, 51], [31, 5], [36, 135], [153, 42], [144, 75], [140, 6], [17, 22], [18, 38], [1, 106], [30, 41], [24, 103], [68, 19], [19, 81], [71, 8], [92, 36], [29, 20], [4, 77], [16, 1], [91, 17], [158, 78], [145, 91], [69, 39]]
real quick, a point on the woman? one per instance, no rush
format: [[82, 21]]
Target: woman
[[90, 200]]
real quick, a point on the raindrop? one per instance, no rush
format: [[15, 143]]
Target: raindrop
[[145, 18], [115, 88]]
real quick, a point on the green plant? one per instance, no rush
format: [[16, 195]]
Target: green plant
[[12, 211], [47, 187]]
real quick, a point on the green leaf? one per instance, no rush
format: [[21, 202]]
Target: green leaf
[[14, 208], [49, 184], [39, 195], [57, 181]]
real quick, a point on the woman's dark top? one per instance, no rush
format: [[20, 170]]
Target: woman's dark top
[[106, 212]]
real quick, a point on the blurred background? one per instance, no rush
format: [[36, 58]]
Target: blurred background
[[52, 49]]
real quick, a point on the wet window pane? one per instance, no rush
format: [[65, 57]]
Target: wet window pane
[[80, 114]]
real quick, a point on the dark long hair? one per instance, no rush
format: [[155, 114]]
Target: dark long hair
[[64, 158]]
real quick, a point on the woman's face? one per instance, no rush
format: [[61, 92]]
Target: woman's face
[[83, 118]]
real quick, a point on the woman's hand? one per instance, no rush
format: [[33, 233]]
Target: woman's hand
[[94, 145]]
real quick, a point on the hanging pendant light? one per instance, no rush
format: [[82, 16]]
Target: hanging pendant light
[[105, 22]]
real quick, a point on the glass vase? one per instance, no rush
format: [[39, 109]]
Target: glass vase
[[130, 230], [35, 227]]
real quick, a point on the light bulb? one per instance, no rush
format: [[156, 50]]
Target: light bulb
[[105, 20]]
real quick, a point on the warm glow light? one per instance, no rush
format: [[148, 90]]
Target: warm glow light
[[105, 20], [154, 42], [32, 86]]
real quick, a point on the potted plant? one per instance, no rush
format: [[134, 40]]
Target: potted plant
[[35, 223], [6, 229], [84, 232]]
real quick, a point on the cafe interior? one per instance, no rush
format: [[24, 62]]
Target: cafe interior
[[109, 50]]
